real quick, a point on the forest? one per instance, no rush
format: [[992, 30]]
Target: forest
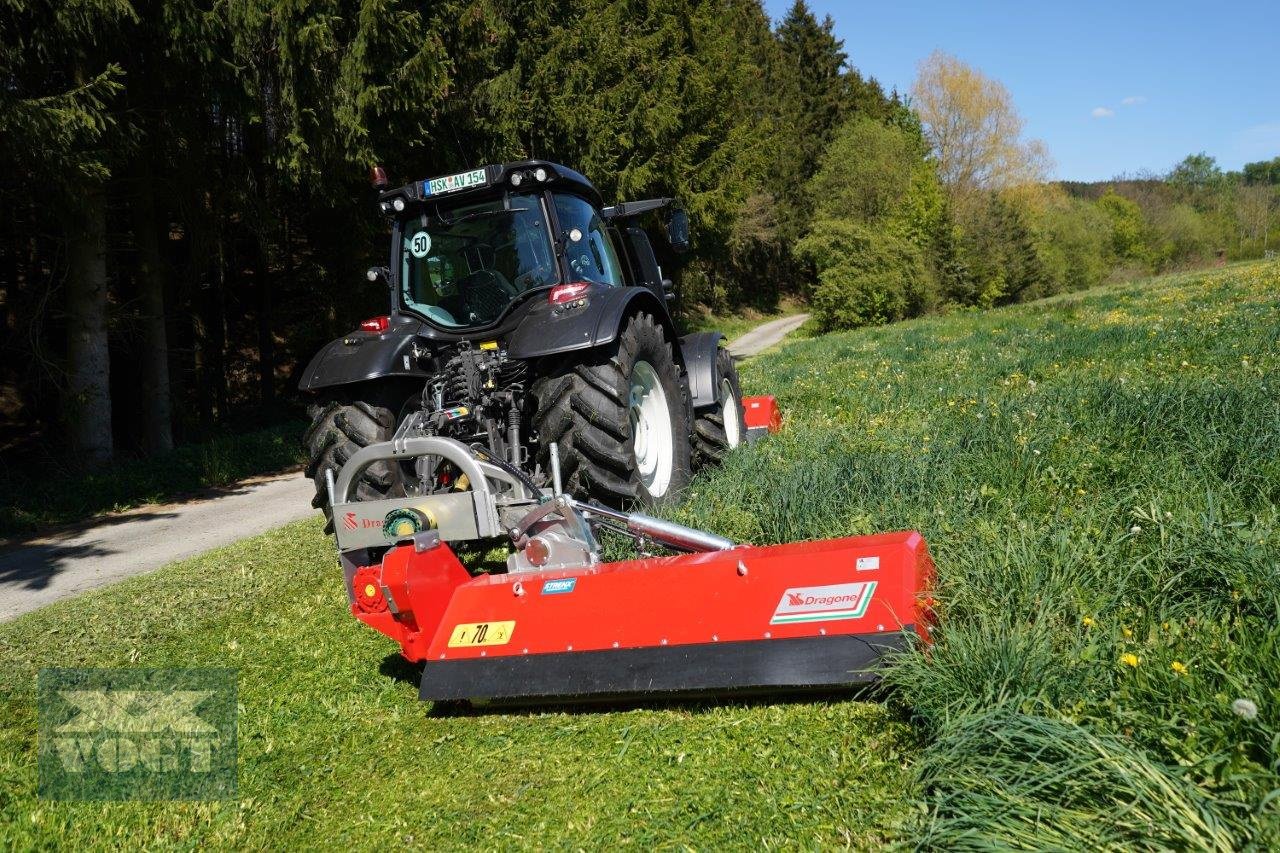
[[185, 214]]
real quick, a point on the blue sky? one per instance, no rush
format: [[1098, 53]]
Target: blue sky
[[1111, 88]]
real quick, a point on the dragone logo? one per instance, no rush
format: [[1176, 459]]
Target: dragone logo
[[823, 603]]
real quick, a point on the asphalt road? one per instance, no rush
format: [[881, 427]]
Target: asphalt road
[[764, 336], [105, 549]]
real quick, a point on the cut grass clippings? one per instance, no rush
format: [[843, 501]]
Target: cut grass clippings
[[1097, 476]]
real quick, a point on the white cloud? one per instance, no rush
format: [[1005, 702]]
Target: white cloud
[[1102, 112], [1134, 100]]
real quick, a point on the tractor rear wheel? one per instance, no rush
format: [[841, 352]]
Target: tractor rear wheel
[[718, 430], [339, 428], [620, 419]]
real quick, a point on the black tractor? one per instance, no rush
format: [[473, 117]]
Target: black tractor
[[525, 314]]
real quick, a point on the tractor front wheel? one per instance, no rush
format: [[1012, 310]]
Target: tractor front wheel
[[339, 428], [620, 419]]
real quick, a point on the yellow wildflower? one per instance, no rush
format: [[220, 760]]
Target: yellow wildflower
[[1178, 667], [1129, 659], [1128, 635], [1088, 621]]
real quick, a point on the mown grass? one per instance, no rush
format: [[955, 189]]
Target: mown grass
[[32, 500], [336, 751], [1097, 476]]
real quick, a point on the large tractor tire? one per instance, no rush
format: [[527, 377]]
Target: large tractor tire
[[339, 428], [718, 430], [619, 416]]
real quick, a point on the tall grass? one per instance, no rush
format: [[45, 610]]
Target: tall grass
[[1098, 479]]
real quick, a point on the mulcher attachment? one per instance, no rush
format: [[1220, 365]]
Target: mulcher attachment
[[561, 624], [805, 615]]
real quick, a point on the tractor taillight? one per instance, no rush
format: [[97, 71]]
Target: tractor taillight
[[564, 293], [376, 324]]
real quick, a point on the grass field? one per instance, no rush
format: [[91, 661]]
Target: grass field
[[1097, 476]]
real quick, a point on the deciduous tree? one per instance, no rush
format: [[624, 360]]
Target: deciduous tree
[[974, 130]]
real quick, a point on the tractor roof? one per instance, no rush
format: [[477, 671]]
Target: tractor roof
[[491, 179]]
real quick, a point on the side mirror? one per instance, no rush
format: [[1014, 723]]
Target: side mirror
[[379, 274], [678, 230]]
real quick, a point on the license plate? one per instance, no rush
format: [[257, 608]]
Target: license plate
[[469, 634], [450, 183]]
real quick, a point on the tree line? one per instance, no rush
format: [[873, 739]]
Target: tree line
[[947, 205], [185, 217]]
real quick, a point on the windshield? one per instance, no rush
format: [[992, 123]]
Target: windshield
[[465, 269]]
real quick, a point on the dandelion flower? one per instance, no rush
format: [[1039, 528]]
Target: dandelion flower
[[1136, 529], [1088, 621], [1179, 667], [1129, 659], [1245, 708], [1128, 635]]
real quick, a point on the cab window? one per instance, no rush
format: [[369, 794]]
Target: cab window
[[592, 256]]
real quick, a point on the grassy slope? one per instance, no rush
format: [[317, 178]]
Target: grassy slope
[[1025, 443]]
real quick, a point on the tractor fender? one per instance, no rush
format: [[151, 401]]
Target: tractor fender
[[599, 322], [361, 356], [699, 351]]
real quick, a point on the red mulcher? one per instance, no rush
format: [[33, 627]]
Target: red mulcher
[[560, 623]]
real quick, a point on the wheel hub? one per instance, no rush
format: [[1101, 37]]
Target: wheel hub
[[729, 412], [649, 415]]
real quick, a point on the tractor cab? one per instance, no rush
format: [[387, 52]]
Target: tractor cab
[[468, 248]]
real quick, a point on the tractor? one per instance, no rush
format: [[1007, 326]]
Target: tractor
[[529, 384], [525, 313]]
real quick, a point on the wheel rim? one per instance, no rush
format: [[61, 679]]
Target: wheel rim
[[651, 433], [729, 412]]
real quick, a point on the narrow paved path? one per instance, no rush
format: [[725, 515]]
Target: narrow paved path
[[105, 549], [764, 336]]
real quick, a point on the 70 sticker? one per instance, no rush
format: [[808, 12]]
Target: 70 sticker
[[468, 634]]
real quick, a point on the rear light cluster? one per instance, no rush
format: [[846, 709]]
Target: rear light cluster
[[568, 294], [376, 324]]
